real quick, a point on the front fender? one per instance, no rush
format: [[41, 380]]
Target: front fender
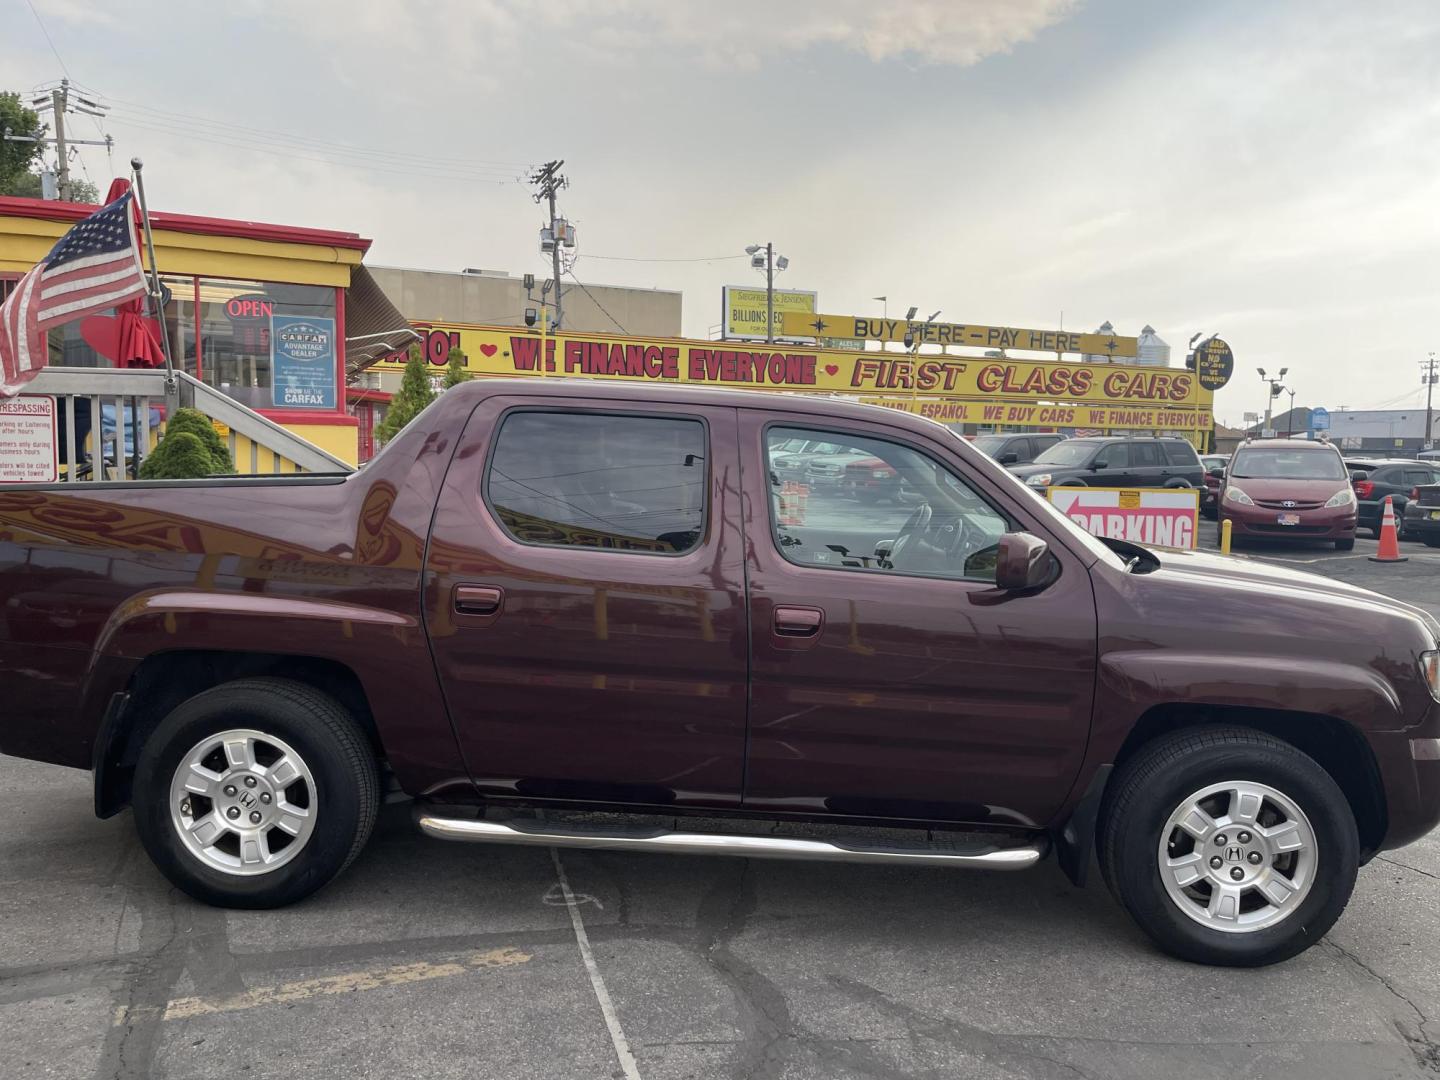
[[1132, 682]]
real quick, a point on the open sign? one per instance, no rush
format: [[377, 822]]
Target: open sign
[[248, 308]]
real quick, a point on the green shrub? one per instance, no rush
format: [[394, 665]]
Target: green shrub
[[180, 456], [198, 424]]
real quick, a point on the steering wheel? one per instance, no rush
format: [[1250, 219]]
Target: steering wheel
[[917, 523]]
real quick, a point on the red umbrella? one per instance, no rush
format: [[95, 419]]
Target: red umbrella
[[137, 341]]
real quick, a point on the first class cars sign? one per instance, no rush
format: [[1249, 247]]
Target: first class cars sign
[[509, 351], [1167, 517]]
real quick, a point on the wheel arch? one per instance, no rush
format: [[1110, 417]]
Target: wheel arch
[[163, 680], [1335, 744]]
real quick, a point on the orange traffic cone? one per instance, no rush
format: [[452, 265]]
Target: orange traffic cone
[[1389, 542]]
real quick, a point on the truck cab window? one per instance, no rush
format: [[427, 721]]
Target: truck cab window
[[618, 483], [854, 503]]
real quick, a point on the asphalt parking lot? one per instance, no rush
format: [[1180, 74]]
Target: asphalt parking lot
[[437, 960]]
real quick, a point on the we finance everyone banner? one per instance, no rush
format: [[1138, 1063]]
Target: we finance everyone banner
[[1024, 414], [493, 351]]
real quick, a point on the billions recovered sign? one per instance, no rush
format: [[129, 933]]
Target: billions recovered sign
[[29, 448], [1166, 517], [302, 361], [744, 310], [978, 337]]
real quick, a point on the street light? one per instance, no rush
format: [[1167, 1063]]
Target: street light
[[769, 262], [1274, 389]]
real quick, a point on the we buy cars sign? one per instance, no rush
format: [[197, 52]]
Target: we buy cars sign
[[1163, 518]]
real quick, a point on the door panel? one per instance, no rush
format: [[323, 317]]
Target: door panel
[[1118, 471], [916, 697], [579, 659]]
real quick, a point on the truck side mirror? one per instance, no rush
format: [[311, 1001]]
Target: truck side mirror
[[1022, 561], [1218, 472], [1010, 457]]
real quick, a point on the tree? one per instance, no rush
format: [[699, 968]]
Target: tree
[[410, 400], [455, 372], [198, 424], [16, 157], [180, 456]]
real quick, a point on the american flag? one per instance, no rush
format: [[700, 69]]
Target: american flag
[[94, 266]]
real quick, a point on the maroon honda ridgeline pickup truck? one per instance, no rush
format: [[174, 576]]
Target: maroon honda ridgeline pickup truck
[[590, 615]]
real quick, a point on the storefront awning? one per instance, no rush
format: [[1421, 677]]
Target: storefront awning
[[374, 326]]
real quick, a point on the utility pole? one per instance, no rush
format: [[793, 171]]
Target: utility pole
[[548, 179], [1428, 367], [57, 101], [62, 174]]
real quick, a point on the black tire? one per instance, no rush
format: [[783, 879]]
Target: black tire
[[1163, 774], [325, 736], [1345, 545]]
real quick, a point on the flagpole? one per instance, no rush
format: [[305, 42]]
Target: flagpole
[[172, 387]]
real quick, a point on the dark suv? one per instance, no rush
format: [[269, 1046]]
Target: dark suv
[[1014, 448], [1144, 462], [1373, 479]]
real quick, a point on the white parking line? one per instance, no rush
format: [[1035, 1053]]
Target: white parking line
[[597, 983]]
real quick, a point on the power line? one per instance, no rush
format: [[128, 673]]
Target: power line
[[48, 39], [292, 153], [628, 258], [596, 302], [187, 120]]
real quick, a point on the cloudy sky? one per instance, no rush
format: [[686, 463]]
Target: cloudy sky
[[1268, 171]]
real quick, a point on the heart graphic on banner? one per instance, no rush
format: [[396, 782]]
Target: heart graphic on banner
[[831, 369], [489, 350]]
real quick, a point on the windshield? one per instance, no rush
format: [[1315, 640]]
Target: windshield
[[989, 444], [1067, 453], [1274, 463]]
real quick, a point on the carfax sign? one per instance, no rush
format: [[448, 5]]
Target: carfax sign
[[302, 362]]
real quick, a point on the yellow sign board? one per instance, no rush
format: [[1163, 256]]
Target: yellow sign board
[[510, 351], [1048, 417], [745, 310], [796, 324]]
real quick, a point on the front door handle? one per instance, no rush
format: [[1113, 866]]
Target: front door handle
[[478, 599], [798, 622]]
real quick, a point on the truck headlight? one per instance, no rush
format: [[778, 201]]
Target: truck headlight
[[1342, 498], [1235, 495], [1040, 479], [1430, 669]]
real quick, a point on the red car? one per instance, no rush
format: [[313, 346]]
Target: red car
[[871, 480], [1289, 489]]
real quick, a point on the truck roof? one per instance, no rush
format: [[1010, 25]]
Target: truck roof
[[692, 394]]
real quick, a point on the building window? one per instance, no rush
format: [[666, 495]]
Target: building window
[[234, 332]]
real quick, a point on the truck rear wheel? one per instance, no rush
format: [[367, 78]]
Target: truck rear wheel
[[1229, 847], [256, 793]]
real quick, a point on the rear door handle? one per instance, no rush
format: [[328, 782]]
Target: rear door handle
[[478, 599], [798, 622]]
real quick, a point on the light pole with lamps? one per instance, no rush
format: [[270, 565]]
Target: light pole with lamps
[[1273, 388], [769, 262]]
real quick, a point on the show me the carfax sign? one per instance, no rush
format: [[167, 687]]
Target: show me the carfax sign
[[1166, 517]]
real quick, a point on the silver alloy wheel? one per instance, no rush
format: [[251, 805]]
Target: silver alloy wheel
[[1238, 856], [243, 802]]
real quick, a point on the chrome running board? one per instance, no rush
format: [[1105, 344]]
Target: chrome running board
[[978, 856]]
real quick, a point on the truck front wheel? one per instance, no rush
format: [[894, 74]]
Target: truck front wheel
[[1229, 846], [256, 793]]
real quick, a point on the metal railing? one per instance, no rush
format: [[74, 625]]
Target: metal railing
[[109, 420]]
